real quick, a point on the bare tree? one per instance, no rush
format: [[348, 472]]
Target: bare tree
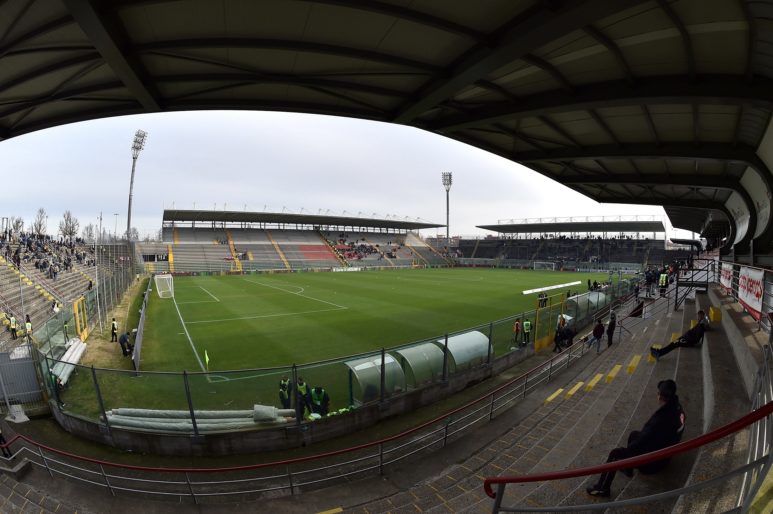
[[17, 225], [135, 234], [88, 232], [68, 227], [39, 225]]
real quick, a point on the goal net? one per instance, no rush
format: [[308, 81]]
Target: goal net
[[544, 265], [164, 285]]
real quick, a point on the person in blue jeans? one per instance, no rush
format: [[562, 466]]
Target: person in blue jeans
[[597, 336]]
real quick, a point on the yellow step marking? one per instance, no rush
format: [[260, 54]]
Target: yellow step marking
[[650, 358], [693, 322], [553, 396], [331, 511], [612, 374], [675, 336], [715, 314], [633, 364], [593, 382], [574, 389]]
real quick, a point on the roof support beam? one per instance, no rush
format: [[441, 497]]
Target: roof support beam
[[687, 43], [287, 45], [106, 41], [613, 48], [752, 42], [716, 151], [535, 27], [555, 127], [548, 68], [710, 90], [44, 29], [690, 204], [654, 180]]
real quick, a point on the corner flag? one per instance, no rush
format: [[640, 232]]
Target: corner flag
[[206, 359]]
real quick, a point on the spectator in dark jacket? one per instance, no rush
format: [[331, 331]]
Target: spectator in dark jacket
[[611, 328], [662, 430], [691, 338], [598, 335]]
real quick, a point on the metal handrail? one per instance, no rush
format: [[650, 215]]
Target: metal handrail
[[634, 462]]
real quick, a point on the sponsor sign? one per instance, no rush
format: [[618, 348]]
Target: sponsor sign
[[726, 279], [750, 290]]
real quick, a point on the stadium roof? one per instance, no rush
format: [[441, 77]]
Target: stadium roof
[[171, 215], [663, 102], [577, 226]]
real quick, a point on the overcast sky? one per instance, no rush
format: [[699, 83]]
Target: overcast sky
[[273, 161]]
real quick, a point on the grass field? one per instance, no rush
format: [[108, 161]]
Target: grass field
[[255, 322], [260, 321]]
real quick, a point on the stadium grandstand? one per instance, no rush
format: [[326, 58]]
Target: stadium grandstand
[[576, 243], [647, 102], [218, 241]]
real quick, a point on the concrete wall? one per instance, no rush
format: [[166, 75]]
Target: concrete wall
[[747, 350]]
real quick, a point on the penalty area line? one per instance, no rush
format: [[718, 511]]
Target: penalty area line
[[190, 341], [210, 294], [264, 316], [296, 294]]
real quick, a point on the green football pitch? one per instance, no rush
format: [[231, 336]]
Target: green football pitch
[[268, 320]]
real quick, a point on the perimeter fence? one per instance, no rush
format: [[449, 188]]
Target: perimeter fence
[[93, 393]]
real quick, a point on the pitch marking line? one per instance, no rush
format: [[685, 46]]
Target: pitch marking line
[[264, 316], [297, 294], [190, 341], [210, 294]]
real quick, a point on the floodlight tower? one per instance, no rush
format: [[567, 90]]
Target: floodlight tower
[[137, 145], [447, 179]]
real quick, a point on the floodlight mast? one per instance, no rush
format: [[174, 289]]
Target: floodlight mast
[[137, 145], [447, 180]]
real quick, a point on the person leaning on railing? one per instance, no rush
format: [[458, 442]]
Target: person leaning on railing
[[663, 429]]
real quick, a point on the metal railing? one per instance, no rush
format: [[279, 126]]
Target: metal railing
[[290, 475], [753, 472], [759, 467]]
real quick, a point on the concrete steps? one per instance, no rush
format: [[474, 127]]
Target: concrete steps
[[604, 421], [726, 402], [549, 438]]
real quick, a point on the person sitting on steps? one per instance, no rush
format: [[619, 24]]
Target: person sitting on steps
[[691, 338], [663, 429]]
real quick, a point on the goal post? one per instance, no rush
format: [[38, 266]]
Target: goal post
[[544, 265], [164, 285]]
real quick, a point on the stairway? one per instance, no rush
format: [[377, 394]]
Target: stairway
[[537, 251], [576, 428], [170, 256], [333, 250], [475, 250], [237, 262], [278, 250]]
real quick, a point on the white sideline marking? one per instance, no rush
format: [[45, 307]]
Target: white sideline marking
[[298, 294], [264, 316], [210, 294], [190, 341]]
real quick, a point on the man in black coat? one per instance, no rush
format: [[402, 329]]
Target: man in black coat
[[662, 430], [691, 338]]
